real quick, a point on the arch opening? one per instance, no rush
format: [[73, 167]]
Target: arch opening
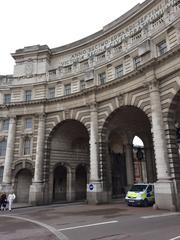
[[81, 182], [69, 145], [23, 181], [60, 184], [139, 161], [123, 127]]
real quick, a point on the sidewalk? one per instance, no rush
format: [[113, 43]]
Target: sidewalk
[[21, 205]]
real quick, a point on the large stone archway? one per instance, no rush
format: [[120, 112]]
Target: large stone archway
[[68, 144], [173, 134], [117, 136]]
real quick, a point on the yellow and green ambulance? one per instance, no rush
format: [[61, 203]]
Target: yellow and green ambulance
[[140, 194]]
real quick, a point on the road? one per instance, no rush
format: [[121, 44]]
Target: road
[[87, 222]]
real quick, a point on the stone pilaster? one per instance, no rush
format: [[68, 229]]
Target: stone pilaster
[[6, 183], [94, 188], [37, 188], [94, 151], [164, 189], [151, 170], [129, 165], [71, 180]]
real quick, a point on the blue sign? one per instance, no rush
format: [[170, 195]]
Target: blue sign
[[91, 186]]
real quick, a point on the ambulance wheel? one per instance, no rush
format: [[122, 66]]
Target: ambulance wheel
[[145, 203]]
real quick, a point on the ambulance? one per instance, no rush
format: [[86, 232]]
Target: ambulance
[[140, 194]]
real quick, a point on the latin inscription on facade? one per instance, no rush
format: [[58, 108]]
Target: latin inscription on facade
[[121, 36]]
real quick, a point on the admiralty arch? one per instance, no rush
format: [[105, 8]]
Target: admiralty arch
[[69, 115]]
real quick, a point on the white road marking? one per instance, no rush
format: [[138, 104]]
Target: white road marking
[[58, 234], [88, 225], [161, 215], [178, 237]]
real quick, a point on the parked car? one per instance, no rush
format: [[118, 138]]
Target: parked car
[[140, 194]]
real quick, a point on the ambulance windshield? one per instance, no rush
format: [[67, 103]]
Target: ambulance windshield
[[138, 188]]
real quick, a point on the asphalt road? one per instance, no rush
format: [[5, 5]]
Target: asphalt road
[[87, 222]]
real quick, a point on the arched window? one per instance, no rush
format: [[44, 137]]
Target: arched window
[[137, 142]]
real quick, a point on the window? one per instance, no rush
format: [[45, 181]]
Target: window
[[119, 71], [27, 146], [102, 78], [3, 145], [162, 47], [137, 61], [51, 92], [82, 85], [1, 174], [7, 98], [28, 123], [52, 72], [84, 64], [28, 95], [68, 69], [101, 57], [149, 189], [5, 125], [67, 89], [118, 48]]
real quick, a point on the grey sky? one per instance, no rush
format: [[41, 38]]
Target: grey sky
[[55, 23]]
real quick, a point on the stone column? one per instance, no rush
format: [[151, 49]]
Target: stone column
[[94, 188], [129, 165], [6, 185], [94, 145], [164, 190], [36, 189]]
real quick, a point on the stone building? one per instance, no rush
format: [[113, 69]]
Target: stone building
[[69, 114]]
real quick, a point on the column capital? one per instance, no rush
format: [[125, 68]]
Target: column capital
[[12, 116], [41, 116], [93, 106], [153, 85]]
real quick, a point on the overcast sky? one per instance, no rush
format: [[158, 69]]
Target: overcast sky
[[55, 23]]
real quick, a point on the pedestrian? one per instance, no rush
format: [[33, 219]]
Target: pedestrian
[[3, 201], [10, 199]]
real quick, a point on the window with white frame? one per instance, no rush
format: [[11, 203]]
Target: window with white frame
[[119, 71], [102, 78], [3, 145], [28, 123], [27, 146], [5, 125], [137, 61], [7, 98], [82, 84], [67, 89], [162, 47], [28, 95], [51, 92]]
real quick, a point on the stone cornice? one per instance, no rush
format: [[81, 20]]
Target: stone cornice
[[31, 50]]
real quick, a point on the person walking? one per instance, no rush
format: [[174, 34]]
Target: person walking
[[10, 199], [3, 201]]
